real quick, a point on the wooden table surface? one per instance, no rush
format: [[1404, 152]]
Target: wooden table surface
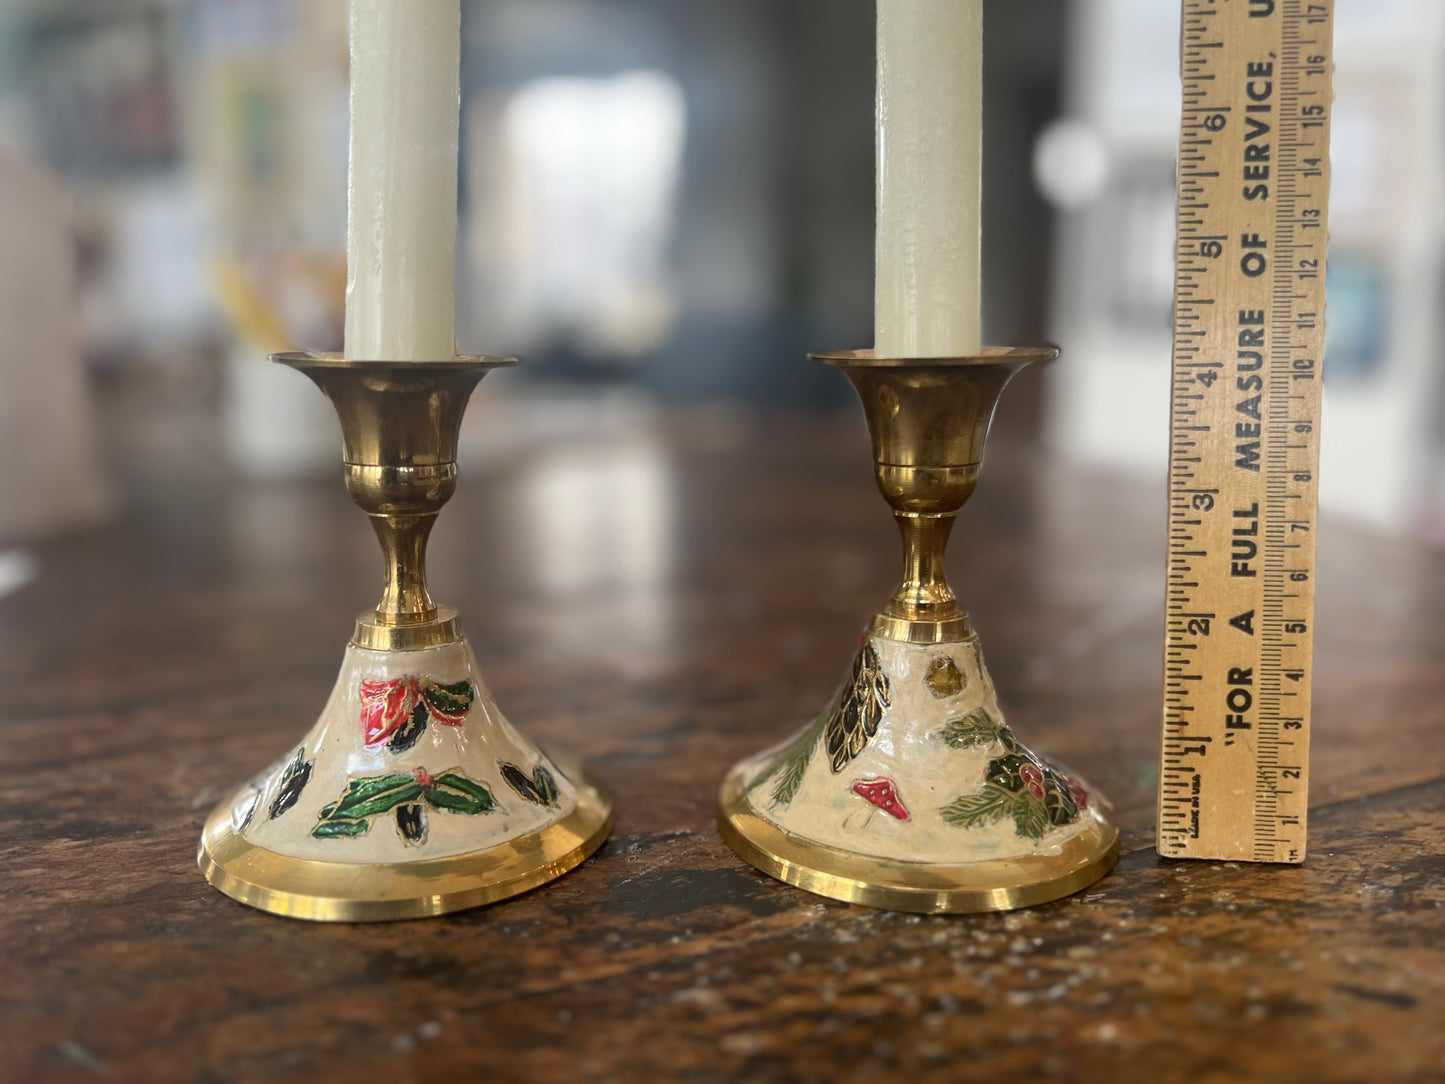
[[663, 604]]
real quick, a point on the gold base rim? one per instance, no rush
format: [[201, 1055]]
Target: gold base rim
[[915, 887], [338, 892]]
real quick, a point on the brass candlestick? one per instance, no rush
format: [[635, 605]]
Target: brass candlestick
[[412, 795], [911, 792]]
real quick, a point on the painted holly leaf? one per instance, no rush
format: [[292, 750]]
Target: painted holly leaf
[[405, 792], [248, 798], [293, 782], [989, 803], [1007, 771], [1026, 774], [539, 787], [449, 703], [883, 793], [1021, 786], [368, 796], [859, 709], [456, 793], [1058, 797], [245, 808], [1059, 806], [410, 732], [546, 784], [385, 706], [411, 822], [341, 827]]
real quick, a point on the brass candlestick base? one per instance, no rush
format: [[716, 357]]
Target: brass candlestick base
[[910, 792], [412, 795]]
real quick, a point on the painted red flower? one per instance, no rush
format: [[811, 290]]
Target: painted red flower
[[882, 793], [1033, 778], [424, 778], [385, 705], [1078, 792]]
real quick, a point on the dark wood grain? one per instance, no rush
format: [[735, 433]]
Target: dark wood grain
[[663, 604]]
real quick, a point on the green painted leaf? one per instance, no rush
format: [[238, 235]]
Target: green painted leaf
[[546, 784], [1006, 771], [795, 764], [293, 782], [341, 827], [244, 820], [449, 702], [989, 803], [976, 728], [1058, 802], [792, 762], [1030, 817], [539, 787], [520, 782], [456, 793], [369, 796]]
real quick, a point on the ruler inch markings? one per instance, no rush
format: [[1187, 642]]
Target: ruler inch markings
[[1251, 228]]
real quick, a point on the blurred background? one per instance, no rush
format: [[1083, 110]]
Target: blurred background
[[664, 205]]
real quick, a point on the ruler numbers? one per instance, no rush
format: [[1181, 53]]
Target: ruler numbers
[[1253, 184]]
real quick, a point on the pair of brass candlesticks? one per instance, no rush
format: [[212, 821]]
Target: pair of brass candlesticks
[[412, 795]]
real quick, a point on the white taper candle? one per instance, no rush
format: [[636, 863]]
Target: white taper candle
[[402, 205], [930, 124]]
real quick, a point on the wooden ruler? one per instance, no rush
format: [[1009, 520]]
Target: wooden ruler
[[1249, 295]]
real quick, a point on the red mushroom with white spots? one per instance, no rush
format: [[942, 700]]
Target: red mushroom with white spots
[[884, 794]]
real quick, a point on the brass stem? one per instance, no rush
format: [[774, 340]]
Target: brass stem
[[399, 426], [924, 594], [928, 419], [402, 503], [405, 599]]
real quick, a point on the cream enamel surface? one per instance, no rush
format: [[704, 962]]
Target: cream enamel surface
[[928, 774], [338, 753]]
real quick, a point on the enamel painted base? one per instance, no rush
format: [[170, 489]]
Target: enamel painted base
[[411, 796], [911, 793]]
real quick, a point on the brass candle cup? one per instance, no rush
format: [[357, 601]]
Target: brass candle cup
[[412, 794], [910, 791]]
